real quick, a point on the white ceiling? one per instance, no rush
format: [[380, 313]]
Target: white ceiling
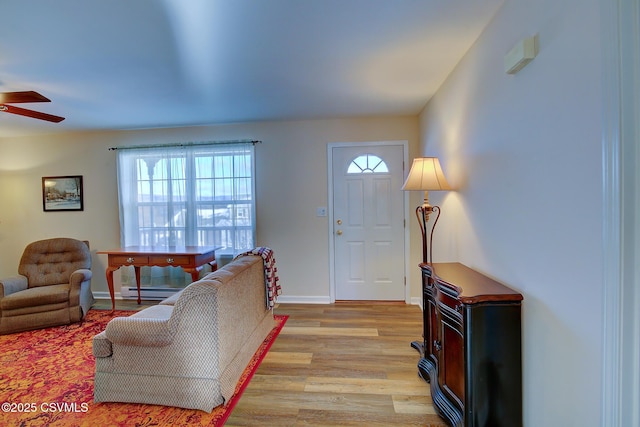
[[130, 64]]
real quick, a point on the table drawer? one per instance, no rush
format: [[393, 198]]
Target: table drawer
[[116, 260], [177, 260]]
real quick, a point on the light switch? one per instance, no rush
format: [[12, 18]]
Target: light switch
[[321, 211]]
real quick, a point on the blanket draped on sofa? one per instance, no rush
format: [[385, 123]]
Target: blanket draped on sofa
[[270, 273]]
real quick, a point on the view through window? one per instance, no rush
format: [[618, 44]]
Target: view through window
[[188, 195]]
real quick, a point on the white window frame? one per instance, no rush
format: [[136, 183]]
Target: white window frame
[[190, 230]]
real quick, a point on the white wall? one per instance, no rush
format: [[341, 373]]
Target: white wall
[[291, 167], [524, 152]]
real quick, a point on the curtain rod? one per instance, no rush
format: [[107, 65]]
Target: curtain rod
[[188, 144]]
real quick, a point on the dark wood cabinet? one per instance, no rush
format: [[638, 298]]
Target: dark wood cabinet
[[471, 353]]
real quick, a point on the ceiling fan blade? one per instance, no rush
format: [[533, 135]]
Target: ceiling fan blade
[[21, 97], [30, 113]]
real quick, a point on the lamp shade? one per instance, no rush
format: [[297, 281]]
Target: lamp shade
[[426, 174]]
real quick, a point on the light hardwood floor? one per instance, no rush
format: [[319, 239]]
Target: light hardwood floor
[[342, 364]]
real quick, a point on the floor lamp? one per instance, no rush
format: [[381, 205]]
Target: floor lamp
[[426, 175]]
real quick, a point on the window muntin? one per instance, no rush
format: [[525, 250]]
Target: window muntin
[[367, 163]]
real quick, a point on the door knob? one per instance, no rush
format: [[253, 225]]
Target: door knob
[[339, 232], [339, 222]]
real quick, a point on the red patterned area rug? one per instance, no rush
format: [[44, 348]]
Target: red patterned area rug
[[47, 380]]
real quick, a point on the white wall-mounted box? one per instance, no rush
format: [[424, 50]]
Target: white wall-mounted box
[[520, 55]]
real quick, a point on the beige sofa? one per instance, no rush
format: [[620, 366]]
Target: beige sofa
[[190, 350]]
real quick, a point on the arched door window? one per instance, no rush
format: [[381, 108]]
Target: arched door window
[[367, 163]]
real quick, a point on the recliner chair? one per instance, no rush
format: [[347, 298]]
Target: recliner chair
[[53, 287]]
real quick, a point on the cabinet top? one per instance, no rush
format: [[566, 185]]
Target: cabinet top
[[470, 286]]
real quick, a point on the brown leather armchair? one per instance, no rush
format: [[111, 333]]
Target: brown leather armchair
[[53, 287]]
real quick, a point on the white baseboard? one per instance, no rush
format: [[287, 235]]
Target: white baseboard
[[289, 299], [148, 293], [132, 293], [282, 299], [105, 295], [416, 301], [127, 293]]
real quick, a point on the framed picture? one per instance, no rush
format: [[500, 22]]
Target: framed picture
[[62, 193]]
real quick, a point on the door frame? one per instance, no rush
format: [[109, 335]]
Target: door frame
[[620, 371], [330, 231]]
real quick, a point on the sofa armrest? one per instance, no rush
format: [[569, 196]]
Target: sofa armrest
[[78, 279], [147, 328], [102, 345], [79, 276], [11, 285]]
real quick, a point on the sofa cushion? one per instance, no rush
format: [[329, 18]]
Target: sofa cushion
[[42, 295], [222, 275]]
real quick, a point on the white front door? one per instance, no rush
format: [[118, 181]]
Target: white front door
[[368, 222]]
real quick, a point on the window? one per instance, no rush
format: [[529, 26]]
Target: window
[[367, 163], [188, 195]]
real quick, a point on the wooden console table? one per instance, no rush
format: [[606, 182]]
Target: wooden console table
[[472, 347], [190, 258]]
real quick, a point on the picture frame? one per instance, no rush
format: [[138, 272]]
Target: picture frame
[[62, 193]]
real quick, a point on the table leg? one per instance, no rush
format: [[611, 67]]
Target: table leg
[[195, 273], [137, 271], [110, 271]]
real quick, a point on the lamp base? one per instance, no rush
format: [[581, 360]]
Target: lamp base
[[422, 213]]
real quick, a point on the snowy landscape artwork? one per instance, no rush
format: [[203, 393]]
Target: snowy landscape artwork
[[62, 193]]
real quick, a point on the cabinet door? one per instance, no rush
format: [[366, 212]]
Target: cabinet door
[[451, 351], [452, 363], [433, 341]]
